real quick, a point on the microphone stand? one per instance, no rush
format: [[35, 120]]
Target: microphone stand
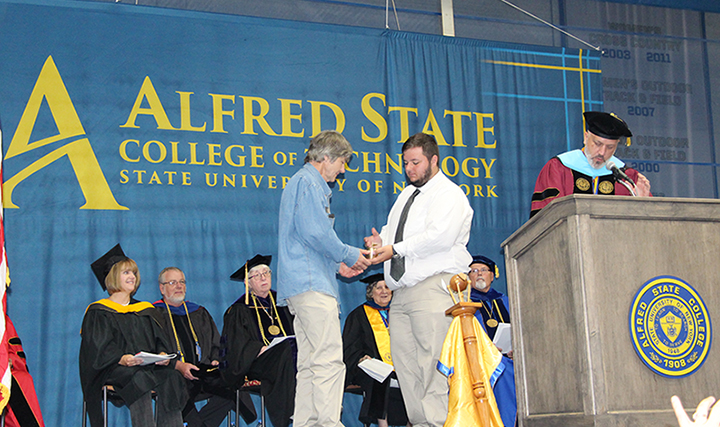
[[628, 186]]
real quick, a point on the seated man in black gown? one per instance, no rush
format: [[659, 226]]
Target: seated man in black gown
[[494, 311], [249, 326], [196, 341]]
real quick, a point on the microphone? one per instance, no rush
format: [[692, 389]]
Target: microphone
[[619, 175]]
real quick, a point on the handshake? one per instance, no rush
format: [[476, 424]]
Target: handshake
[[375, 253]]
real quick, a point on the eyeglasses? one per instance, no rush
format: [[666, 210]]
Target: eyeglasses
[[263, 274], [174, 282], [479, 270]]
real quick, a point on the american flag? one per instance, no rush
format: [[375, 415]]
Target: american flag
[[6, 380]]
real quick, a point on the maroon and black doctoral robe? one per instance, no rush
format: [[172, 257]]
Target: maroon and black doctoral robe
[[557, 180]]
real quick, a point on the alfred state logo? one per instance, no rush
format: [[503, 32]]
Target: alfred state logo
[[73, 144], [670, 327]]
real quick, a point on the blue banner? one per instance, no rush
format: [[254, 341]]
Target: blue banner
[[173, 133]]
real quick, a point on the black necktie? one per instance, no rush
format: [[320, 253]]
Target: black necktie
[[397, 264]]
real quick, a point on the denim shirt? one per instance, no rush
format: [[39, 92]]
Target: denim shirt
[[309, 251]]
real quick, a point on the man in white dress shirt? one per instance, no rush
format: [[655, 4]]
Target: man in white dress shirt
[[424, 242]]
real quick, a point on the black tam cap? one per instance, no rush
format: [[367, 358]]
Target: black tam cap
[[606, 125], [101, 267], [239, 276], [480, 259], [373, 278]]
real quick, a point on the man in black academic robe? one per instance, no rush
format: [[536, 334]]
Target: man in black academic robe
[[495, 304], [195, 338], [249, 325], [494, 311]]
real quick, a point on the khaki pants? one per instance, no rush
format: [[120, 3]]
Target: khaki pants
[[418, 326], [321, 371]]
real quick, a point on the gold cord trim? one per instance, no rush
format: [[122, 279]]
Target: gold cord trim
[[277, 316]]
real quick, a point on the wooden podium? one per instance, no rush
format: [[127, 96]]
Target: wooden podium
[[573, 271]]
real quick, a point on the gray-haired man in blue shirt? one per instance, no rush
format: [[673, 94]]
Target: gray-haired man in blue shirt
[[310, 255]]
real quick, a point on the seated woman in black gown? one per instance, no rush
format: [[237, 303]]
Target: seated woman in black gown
[[366, 336], [113, 331]]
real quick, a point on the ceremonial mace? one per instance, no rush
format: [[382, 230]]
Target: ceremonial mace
[[465, 309]]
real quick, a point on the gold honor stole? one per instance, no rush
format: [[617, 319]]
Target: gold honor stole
[[130, 308], [119, 308], [382, 336]]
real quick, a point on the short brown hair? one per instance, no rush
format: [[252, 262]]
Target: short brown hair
[[426, 142], [112, 280]]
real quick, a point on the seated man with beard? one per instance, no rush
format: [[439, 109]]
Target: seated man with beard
[[494, 311], [196, 340]]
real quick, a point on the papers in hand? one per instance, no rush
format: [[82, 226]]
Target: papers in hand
[[377, 369], [503, 337], [278, 340], [150, 358]]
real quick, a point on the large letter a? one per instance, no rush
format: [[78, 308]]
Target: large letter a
[[94, 186]]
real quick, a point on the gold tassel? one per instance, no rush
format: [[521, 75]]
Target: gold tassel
[[247, 286]]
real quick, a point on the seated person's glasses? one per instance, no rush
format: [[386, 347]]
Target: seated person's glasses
[[262, 274]]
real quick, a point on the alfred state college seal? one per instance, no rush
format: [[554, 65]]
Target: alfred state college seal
[[670, 327]]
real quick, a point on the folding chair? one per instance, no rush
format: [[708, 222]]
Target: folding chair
[[252, 387], [108, 394]]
